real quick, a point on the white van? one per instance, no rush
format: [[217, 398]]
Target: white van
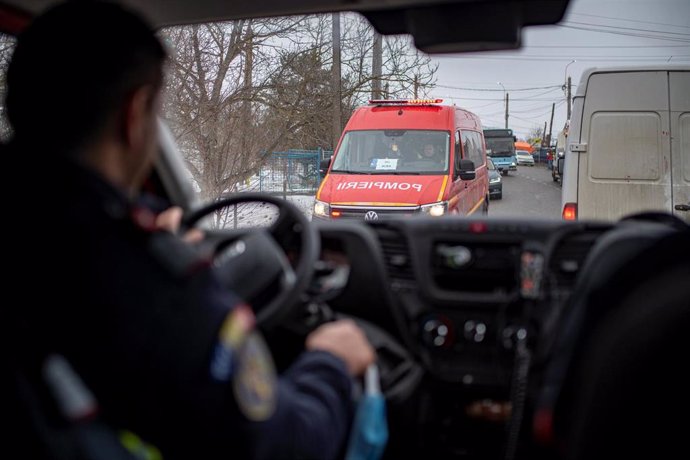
[[629, 144]]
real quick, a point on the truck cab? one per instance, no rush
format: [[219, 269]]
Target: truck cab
[[406, 157], [500, 146]]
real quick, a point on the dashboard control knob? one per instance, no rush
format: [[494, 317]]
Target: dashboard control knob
[[436, 333], [512, 335], [475, 331]]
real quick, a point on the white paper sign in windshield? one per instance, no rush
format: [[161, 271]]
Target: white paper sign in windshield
[[386, 164]]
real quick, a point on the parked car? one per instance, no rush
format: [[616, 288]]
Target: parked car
[[524, 158], [495, 182], [539, 155]]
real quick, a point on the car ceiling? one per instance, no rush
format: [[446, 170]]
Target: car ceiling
[[437, 26]]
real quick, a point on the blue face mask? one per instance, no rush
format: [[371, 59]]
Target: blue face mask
[[369, 433]]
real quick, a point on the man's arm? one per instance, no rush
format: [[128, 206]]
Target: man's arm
[[314, 406], [313, 411]]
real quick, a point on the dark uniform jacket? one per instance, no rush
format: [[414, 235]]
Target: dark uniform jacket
[[138, 315]]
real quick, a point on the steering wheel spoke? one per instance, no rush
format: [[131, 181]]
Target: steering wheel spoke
[[254, 264]]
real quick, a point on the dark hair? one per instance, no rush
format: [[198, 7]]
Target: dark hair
[[72, 68]]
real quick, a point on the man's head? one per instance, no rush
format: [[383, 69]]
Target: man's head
[[82, 73], [429, 150]]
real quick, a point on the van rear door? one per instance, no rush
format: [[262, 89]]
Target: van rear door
[[680, 142], [627, 167]]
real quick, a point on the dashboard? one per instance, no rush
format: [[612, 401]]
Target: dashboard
[[459, 292], [472, 300]]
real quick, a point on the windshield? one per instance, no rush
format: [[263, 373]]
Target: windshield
[[497, 147], [250, 104], [393, 152]]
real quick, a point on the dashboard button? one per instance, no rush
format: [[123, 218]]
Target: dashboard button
[[436, 333], [475, 331]]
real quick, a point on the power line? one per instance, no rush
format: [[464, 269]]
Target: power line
[[558, 104], [613, 32], [565, 59], [531, 109], [559, 88], [597, 56], [499, 89], [488, 105], [605, 46], [534, 109], [498, 100], [630, 20], [635, 29], [540, 107]]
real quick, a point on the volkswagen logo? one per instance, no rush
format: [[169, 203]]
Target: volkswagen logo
[[371, 215]]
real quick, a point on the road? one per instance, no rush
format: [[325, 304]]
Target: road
[[528, 192]]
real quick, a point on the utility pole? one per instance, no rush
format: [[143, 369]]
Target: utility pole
[[507, 98], [335, 78], [570, 97], [553, 108], [416, 86], [376, 67], [543, 136]]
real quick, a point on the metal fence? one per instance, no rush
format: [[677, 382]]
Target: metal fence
[[295, 172]]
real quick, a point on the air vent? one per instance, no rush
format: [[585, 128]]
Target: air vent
[[396, 254]]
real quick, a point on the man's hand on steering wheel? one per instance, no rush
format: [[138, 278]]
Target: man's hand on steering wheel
[[255, 264], [171, 219], [356, 343]]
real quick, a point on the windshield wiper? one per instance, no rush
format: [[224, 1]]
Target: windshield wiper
[[378, 173], [345, 171]]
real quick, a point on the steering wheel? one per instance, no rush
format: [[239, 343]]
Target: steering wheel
[[251, 262]]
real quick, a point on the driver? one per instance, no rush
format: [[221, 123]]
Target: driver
[[169, 354], [428, 151]]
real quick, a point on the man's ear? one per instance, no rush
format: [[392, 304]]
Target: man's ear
[[137, 113]]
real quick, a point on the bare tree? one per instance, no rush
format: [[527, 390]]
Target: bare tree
[[211, 95], [401, 62], [240, 89], [535, 135]]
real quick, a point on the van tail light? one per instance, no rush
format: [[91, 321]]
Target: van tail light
[[570, 211]]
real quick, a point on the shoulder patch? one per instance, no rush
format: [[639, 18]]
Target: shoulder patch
[[236, 327], [254, 381]]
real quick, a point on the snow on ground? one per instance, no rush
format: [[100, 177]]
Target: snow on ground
[[304, 202], [264, 214]]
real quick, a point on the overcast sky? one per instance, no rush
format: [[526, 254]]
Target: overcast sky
[[595, 33]]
